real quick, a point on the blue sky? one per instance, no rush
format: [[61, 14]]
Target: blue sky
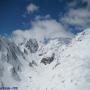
[[14, 15]]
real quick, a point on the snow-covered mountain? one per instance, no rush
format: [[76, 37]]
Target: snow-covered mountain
[[59, 64]]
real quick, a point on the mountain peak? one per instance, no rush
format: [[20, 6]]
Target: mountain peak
[[60, 64]]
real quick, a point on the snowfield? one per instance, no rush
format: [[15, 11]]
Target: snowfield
[[60, 64]]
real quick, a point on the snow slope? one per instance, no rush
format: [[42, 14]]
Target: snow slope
[[61, 64]]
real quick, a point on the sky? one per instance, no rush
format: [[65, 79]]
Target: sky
[[73, 15]]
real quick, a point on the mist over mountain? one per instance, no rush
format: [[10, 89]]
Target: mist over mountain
[[63, 63]]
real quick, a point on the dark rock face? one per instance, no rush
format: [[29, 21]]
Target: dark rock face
[[15, 74], [25, 51], [11, 54], [33, 63], [1, 84], [47, 60], [1, 70], [32, 45]]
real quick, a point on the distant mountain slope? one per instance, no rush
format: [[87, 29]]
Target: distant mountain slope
[[60, 64]]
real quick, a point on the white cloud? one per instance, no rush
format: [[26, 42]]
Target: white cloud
[[41, 29], [79, 17], [72, 3], [39, 17], [31, 8], [88, 3]]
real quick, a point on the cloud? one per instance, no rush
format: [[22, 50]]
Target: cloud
[[39, 17], [88, 3], [77, 3], [31, 8], [40, 30], [78, 16]]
